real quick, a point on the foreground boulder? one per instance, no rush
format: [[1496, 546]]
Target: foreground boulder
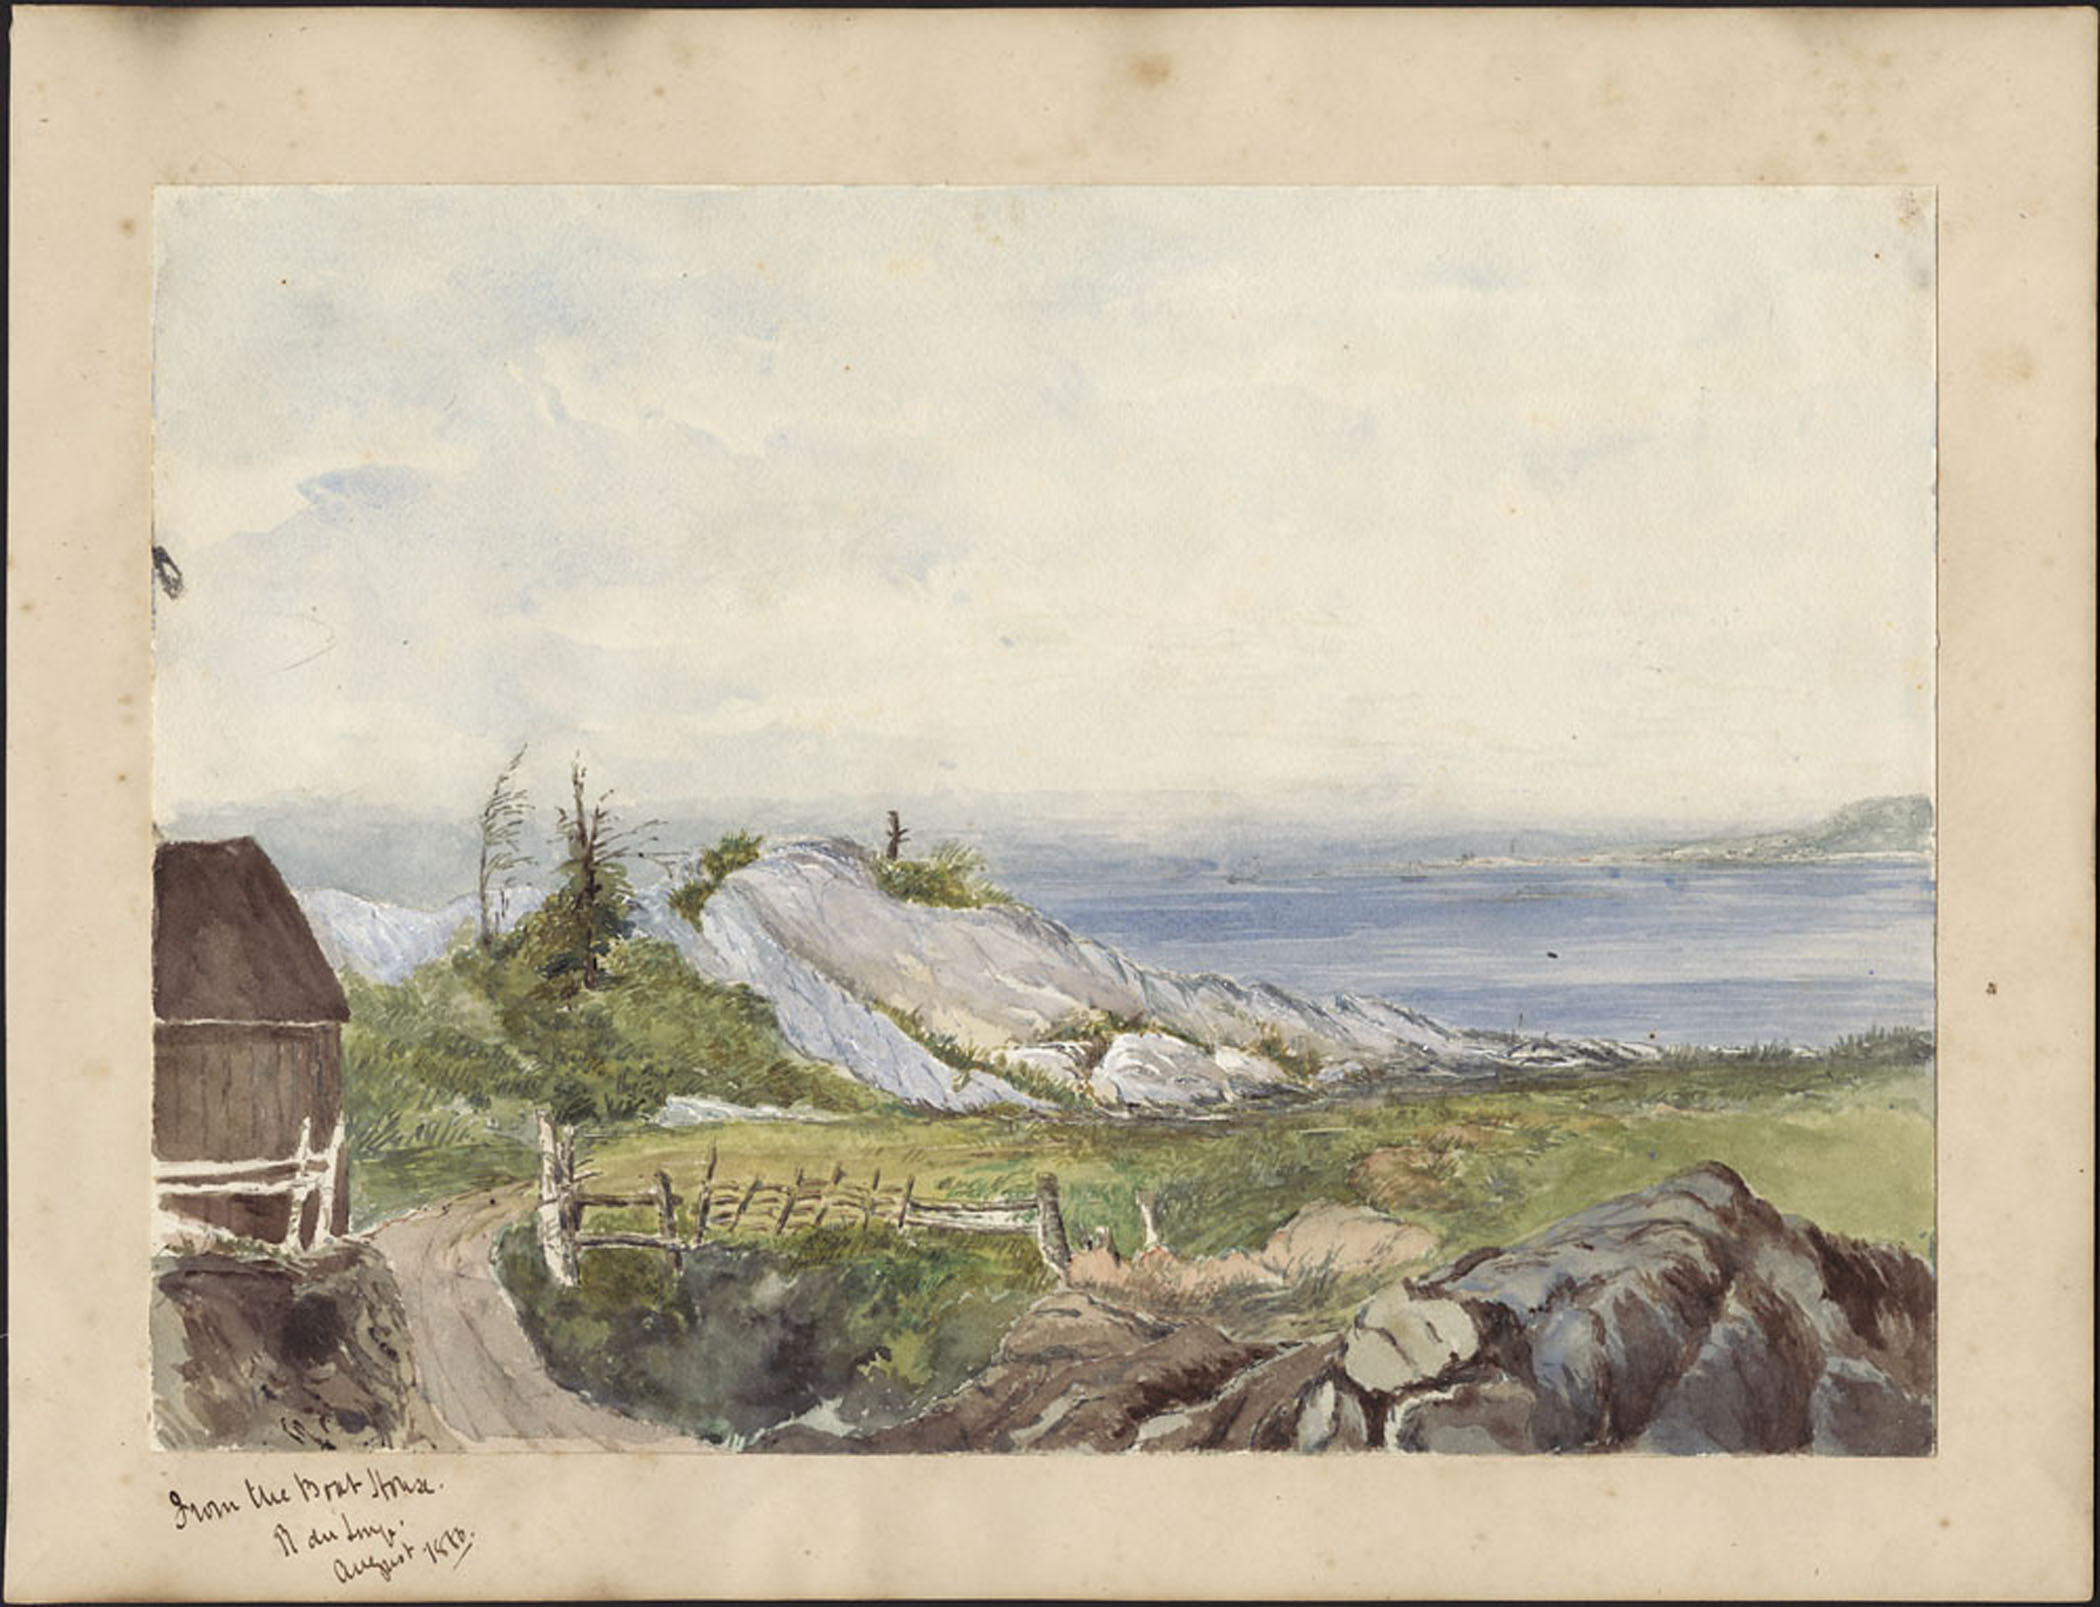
[[275, 1351], [1688, 1317]]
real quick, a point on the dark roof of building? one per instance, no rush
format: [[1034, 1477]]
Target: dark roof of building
[[230, 943]]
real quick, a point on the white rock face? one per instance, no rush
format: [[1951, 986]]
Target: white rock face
[[387, 942], [809, 927], [1152, 1069], [654, 917], [1156, 1071], [690, 1110], [381, 942], [824, 1021]]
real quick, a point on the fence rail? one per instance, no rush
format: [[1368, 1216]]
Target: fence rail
[[765, 1206]]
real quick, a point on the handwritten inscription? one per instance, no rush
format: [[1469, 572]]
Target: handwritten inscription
[[357, 1523]]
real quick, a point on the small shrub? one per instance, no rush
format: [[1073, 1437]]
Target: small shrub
[[1884, 1046], [1297, 1064], [730, 854], [951, 877], [1095, 1030], [749, 1335], [1047, 1085]]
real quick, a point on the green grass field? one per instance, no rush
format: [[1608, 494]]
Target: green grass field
[[883, 1321], [1848, 1143]]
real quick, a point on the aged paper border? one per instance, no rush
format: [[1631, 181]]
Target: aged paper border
[[1995, 109]]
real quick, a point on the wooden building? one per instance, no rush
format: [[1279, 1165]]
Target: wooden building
[[247, 1051]]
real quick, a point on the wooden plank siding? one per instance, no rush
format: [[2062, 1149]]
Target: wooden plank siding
[[247, 1049], [247, 1091], [225, 1091]]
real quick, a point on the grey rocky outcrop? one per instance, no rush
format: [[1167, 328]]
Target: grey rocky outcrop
[[1693, 1316], [1685, 1318], [809, 926], [1688, 1317]]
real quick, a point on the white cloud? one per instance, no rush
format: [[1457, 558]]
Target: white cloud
[[1529, 501]]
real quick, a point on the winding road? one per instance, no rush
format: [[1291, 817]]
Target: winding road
[[479, 1369]]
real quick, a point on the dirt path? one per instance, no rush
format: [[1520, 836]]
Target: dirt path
[[478, 1368]]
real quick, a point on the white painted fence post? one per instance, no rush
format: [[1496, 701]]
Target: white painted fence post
[[557, 1237]]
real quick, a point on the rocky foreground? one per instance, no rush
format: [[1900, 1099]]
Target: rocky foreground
[[1688, 1317], [277, 1351]]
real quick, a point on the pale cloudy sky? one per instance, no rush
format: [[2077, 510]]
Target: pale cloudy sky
[[1445, 505]]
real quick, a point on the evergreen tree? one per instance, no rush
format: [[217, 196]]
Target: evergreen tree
[[593, 908]]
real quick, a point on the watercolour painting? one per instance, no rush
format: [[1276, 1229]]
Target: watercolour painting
[[1122, 819]]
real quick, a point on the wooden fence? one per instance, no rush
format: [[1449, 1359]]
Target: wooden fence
[[725, 1205]]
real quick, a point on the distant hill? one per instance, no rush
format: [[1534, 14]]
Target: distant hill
[[1899, 825], [386, 942]]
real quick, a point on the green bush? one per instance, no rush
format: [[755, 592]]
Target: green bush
[[427, 1058], [747, 1336], [714, 866], [1064, 1091], [1094, 1030], [1884, 1046], [1296, 1064], [951, 877]]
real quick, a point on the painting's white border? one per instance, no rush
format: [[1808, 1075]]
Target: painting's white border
[[1993, 108]]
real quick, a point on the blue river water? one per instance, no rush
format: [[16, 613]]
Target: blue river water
[[1801, 953]]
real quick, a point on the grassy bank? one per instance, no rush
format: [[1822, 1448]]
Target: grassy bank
[[874, 1322], [386, 1185], [443, 1070], [1845, 1141], [750, 1334]]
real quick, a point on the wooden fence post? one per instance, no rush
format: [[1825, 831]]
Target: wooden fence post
[[557, 1240], [838, 1173], [707, 1196], [667, 1218], [571, 1207], [787, 1206], [904, 1204], [1050, 1225], [744, 1204]]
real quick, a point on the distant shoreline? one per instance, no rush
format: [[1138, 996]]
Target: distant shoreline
[[1603, 859], [1676, 856]]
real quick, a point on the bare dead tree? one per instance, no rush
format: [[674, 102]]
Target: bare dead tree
[[897, 834], [503, 819]]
